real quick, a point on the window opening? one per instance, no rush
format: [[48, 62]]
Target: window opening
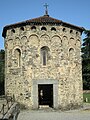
[[44, 28], [44, 55], [12, 31], [53, 29], [33, 28], [64, 29], [18, 58], [71, 31], [22, 28]]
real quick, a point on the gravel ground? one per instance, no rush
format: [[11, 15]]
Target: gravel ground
[[49, 114]]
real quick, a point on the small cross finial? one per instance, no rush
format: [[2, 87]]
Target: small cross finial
[[46, 11]]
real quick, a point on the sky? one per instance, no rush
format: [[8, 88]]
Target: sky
[[76, 12]]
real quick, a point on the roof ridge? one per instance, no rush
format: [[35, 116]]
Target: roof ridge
[[43, 19]]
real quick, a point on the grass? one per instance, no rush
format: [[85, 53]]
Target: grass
[[86, 97]]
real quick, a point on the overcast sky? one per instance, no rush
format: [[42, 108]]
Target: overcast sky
[[76, 12]]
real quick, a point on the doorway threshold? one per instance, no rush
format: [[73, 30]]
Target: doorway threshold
[[44, 106]]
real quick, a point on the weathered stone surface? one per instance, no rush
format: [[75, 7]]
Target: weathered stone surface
[[63, 64]]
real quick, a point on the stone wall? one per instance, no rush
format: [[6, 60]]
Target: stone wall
[[24, 62]]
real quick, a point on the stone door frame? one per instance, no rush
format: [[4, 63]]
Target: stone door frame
[[35, 84]]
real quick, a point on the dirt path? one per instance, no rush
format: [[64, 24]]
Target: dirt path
[[54, 115]]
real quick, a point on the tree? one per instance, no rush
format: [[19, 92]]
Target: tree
[[2, 69], [86, 60]]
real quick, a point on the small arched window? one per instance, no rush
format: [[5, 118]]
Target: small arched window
[[44, 28], [17, 57], [53, 29], [44, 55], [33, 28], [22, 28], [12, 31], [71, 31], [71, 53], [64, 29], [77, 33]]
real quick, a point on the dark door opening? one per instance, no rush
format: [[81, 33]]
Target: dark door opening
[[45, 94]]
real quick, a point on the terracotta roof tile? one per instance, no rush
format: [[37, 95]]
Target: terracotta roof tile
[[45, 19]]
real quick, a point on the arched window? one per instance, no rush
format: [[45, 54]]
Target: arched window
[[12, 31], [53, 29], [44, 28], [71, 53], [77, 33], [33, 28], [64, 29], [17, 57], [44, 55], [22, 28], [71, 31]]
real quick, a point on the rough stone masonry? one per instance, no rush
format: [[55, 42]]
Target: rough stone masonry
[[40, 53]]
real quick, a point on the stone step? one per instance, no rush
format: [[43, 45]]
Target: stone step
[[44, 106]]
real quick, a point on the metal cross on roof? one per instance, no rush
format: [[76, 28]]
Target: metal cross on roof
[[46, 6]]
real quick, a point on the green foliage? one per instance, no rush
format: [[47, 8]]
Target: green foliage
[[86, 61], [86, 95], [2, 69]]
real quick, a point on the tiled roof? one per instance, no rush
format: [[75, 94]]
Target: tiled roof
[[46, 19]]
